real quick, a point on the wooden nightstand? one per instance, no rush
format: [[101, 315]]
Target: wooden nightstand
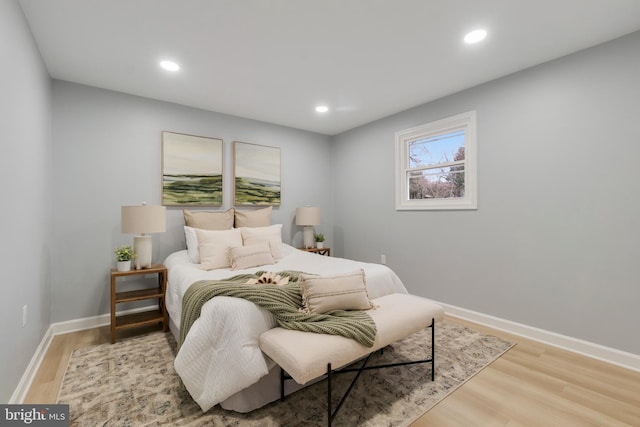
[[320, 251], [142, 318]]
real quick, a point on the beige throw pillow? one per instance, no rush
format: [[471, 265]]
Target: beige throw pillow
[[271, 236], [321, 294], [209, 220], [255, 218], [213, 246], [242, 257]]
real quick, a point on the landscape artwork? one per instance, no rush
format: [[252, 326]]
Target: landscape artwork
[[256, 174], [191, 170]]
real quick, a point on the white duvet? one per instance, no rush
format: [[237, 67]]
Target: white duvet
[[220, 356]]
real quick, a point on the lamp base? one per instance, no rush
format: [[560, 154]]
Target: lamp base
[[142, 246], [308, 237]]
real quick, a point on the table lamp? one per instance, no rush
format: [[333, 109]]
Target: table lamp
[[143, 219], [308, 217]]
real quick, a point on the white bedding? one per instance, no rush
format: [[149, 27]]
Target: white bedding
[[220, 356]]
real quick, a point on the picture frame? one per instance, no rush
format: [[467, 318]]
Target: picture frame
[[256, 175], [192, 170]]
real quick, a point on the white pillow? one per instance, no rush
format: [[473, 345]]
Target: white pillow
[[242, 257], [272, 235], [192, 244], [213, 246]]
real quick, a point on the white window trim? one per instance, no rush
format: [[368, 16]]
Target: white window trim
[[465, 121]]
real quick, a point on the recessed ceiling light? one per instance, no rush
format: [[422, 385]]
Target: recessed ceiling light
[[475, 36], [322, 108], [169, 65]]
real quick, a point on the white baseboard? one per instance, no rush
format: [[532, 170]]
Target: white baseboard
[[34, 364], [80, 324], [55, 329], [595, 351]]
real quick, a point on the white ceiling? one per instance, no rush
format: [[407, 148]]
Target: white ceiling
[[275, 60]]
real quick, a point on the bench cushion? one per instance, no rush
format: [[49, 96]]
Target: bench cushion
[[304, 355]]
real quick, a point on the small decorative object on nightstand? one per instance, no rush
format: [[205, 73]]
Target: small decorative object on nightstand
[[124, 255], [319, 238], [319, 251], [142, 318]]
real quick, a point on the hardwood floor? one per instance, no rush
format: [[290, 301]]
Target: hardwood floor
[[533, 384]]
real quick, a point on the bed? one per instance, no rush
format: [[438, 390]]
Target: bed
[[220, 361]]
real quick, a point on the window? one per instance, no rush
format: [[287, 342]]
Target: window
[[436, 165]]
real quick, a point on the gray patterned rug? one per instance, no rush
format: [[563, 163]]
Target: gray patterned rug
[[133, 383]]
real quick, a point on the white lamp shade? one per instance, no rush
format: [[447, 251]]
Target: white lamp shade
[[308, 216], [144, 219]]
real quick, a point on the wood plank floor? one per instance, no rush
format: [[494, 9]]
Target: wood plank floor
[[531, 385]]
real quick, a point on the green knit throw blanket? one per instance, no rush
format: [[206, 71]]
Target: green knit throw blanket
[[283, 301]]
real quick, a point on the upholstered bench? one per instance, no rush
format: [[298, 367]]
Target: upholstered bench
[[305, 356]]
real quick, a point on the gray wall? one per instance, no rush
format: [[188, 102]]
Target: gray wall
[[107, 153], [25, 173], [554, 242]]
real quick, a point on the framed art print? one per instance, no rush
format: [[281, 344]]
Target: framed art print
[[256, 174], [191, 170]]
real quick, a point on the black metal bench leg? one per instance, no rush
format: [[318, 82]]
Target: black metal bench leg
[[433, 349], [329, 411], [332, 413]]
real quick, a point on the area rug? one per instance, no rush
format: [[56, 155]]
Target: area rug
[[133, 383]]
